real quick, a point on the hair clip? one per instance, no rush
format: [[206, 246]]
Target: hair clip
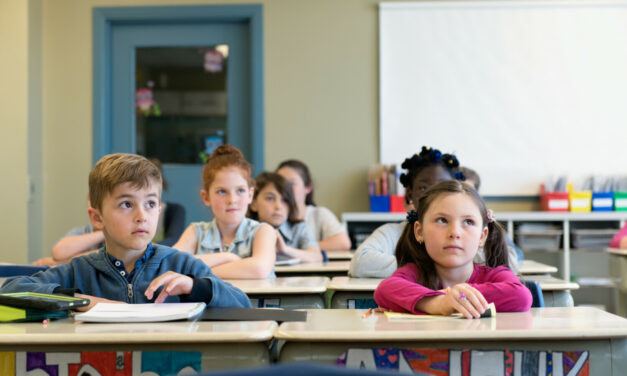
[[491, 216], [460, 176], [412, 216]]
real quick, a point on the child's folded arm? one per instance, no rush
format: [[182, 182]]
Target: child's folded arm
[[400, 292], [505, 290]]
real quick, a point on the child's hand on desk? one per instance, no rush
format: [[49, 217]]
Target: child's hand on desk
[[280, 243], [464, 299], [46, 261], [173, 284], [93, 300]]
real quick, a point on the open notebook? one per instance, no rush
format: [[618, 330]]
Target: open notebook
[[150, 312], [283, 259]]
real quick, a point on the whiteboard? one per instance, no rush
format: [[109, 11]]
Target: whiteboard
[[519, 91]]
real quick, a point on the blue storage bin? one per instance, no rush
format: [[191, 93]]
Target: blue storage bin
[[602, 201], [379, 203]]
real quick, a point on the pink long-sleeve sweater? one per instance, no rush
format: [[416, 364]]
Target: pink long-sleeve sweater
[[400, 292], [615, 243]]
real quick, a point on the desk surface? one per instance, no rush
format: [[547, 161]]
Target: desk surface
[[617, 251], [67, 331], [549, 283], [314, 267], [282, 285], [340, 254], [534, 267], [345, 325], [353, 284]]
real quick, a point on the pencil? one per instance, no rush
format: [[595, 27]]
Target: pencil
[[367, 313]]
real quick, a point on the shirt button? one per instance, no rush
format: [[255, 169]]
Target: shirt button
[[123, 273], [117, 263]]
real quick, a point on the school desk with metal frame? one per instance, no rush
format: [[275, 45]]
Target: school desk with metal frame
[[534, 267], [329, 268], [162, 347], [350, 292], [340, 254], [284, 292], [555, 336]]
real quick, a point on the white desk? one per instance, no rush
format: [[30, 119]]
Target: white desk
[[320, 268], [533, 267], [284, 292], [340, 254], [327, 334], [354, 292], [161, 346]]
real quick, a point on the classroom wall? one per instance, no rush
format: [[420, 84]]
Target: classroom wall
[[321, 104], [13, 128]]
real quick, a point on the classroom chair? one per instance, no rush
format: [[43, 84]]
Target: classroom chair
[[536, 293], [13, 270]]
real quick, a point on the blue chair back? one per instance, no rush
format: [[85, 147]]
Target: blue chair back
[[13, 270], [536, 293]]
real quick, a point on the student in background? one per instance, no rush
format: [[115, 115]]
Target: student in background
[[620, 239], [375, 256], [437, 248], [234, 246], [273, 203], [472, 177], [124, 192], [330, 233]]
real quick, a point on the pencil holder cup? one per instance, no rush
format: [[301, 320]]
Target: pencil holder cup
[[580, 201], [397, 204], [602, 201], [554, 201], [379, 203], [620, 201]]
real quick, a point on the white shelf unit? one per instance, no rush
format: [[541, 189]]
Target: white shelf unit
[[565, 218]]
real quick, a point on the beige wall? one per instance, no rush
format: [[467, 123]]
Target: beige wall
[[321, 103], [320, 99], [13, 129]]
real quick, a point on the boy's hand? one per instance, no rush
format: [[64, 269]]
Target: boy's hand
[[93, 300], [173, 284], [466, 300]]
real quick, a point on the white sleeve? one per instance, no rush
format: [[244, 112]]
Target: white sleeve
[[375, 256]]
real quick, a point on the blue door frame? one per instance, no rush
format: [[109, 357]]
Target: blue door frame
[[105, 19]]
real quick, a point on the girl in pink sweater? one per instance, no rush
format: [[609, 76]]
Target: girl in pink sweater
[[436, 273]]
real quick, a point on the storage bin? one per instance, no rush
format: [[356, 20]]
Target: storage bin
[[620, 201], [379, 203], [580, 201], [541, 239], [602, 201], [397, 204], [554, 201], [592, 238]]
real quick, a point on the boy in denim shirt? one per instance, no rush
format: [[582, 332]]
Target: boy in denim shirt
[[125, 192]]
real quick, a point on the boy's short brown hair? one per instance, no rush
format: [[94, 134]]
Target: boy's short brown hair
[[114, 169]]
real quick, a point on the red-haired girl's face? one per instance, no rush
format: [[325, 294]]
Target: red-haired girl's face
[[228, 196]]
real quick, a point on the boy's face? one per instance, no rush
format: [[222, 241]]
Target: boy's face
[[128, 217]]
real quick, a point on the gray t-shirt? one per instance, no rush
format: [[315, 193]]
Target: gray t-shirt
[[208, 239]]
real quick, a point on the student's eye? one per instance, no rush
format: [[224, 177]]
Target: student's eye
[[270, 198], [440, 220], [241, 191], [125, 205], [469, 222], [152, 204], [221, 191]]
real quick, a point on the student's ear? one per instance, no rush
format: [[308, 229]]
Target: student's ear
[[95, 218], [253, 206], [484, 236], [307, 189], [205, 197], [251, 194], [418, 232]]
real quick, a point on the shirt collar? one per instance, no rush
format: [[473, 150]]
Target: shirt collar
[[286, 231], [214, 239]]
